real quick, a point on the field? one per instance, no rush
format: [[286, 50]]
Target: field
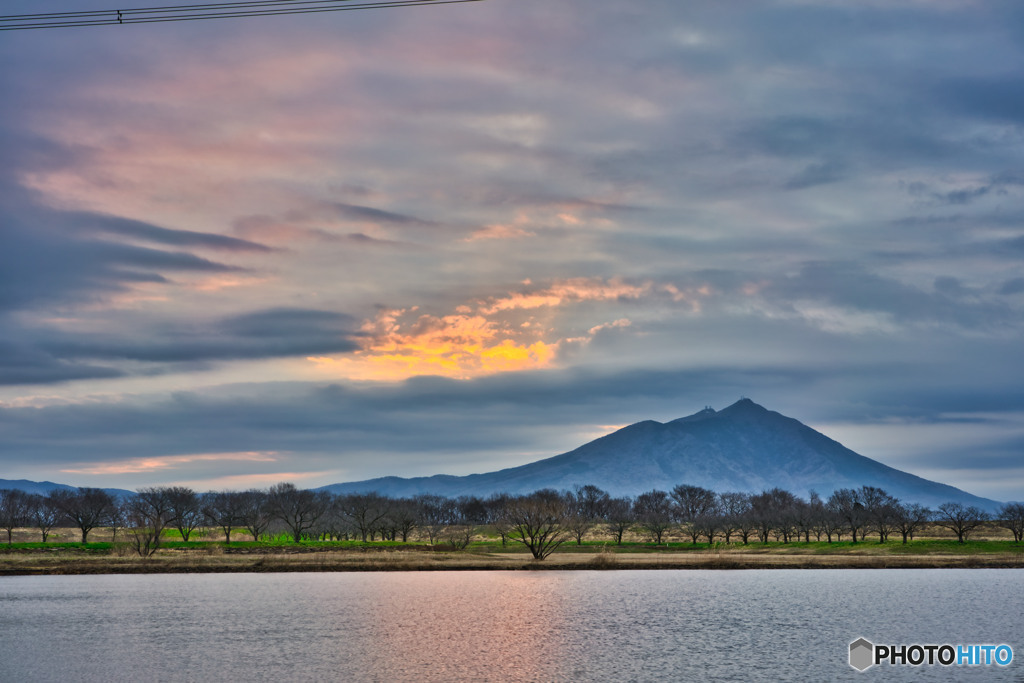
[[991, 547]]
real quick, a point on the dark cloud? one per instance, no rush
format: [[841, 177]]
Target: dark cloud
[[1014, 286], [44, 260], [272, 333], [370, 214], [987, 97], [20, 364], [126, 227], [851, 285], [816, 174]]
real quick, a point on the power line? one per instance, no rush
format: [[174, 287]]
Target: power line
[[219, 10]]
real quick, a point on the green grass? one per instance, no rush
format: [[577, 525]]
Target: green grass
[[870, 546]]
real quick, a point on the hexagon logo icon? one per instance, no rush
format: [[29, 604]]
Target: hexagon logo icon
[[862, 654]]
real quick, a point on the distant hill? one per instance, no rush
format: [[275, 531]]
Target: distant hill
[[44, 487], [744, 447]]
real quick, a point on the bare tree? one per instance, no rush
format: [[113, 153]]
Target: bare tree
[[434, 512], [654, 514], [87, 508], [298, 509], [144, 522], [910, 517], [803, 517], [495, 510], [880, 509], [148, 513], [364, 511], [186, 510], [254, 515], [618, 518], [223, 509], [538, 521], [1011, 516], [14, 510], [733, 507], [773, 511], [44, 514], [846, 504], [584, 507], [960, 519], [693, 507], [403, 516]]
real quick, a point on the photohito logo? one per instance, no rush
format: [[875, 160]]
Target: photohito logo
[[864, 654]]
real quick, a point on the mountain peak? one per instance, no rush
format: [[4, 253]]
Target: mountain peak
[[701, 415], [744, 447], [744, 407]]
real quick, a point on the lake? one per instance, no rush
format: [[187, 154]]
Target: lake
[[761, 625]]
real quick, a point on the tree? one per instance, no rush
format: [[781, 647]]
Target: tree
[[734, 508], [773, 511], [654, 514], [1011, 516], [960, 519], [186, 510], [586, 506], [87, 508], [434, 513], [910, 517], [253, 513], [148, 513], [298, 509], [847, 505], [880, 511], [618, 518], [364, 511], [403, 517], [44, 514], [223, 509], [537, 521], [694, 507], [14, 510], [495, 510]]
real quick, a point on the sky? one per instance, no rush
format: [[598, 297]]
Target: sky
[[453, 239]]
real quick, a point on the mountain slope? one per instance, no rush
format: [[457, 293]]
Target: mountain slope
[[44, 487], [741, 448]]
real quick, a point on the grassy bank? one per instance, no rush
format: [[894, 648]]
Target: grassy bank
[[278, 555]]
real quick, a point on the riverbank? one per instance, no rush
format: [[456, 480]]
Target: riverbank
[[215, 560]]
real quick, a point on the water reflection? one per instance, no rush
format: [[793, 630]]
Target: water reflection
[[493, 627], [499, 626]]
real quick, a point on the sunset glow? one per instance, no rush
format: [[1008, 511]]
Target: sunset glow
[[446, 238]]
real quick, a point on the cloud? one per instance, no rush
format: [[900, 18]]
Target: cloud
[[125, 227], [1014, 286], [271, 333], [147, 465], [21, 364], [494, 335], [459, 346], [855, 290]]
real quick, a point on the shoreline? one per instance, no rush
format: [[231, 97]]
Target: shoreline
[[33, 564]]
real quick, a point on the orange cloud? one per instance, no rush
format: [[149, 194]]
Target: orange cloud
[[459, 346], [169, 462], [240, 482], [488, 337], [576, 289], [499, 232]]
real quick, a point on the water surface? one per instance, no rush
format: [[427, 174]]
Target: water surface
[[764, 625]]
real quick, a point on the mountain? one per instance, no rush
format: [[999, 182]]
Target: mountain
[[744, 447], [44, 487]]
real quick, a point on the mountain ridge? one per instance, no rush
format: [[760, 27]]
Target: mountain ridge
[[744, 447]]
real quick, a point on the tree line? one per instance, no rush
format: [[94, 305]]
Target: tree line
[[541, 521]]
